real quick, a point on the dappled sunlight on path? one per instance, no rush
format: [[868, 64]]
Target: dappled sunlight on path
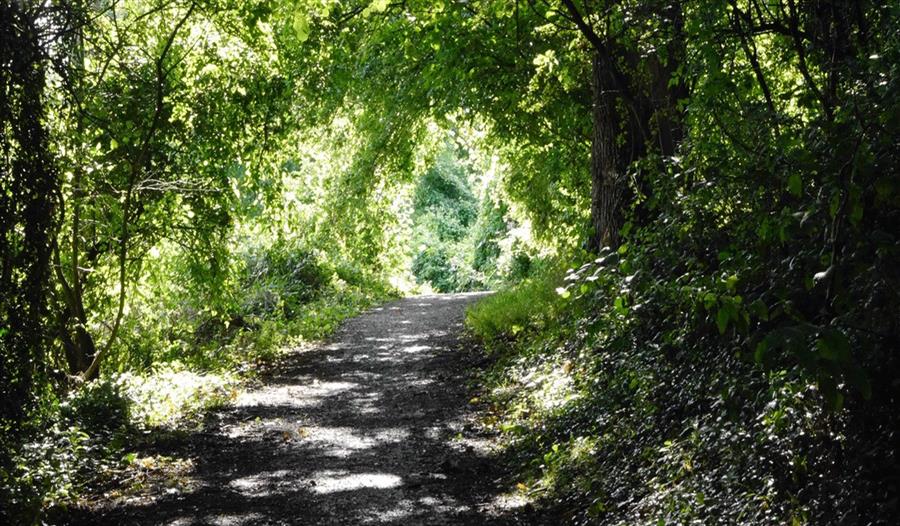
[[370, 428]]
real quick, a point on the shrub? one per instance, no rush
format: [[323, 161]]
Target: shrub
[[282, 277], [99, 406], [42, 473]]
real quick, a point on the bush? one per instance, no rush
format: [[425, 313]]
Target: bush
[[432, 265], [281, 278], [99, 406], [42, 473]]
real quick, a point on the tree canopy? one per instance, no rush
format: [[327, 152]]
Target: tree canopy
[[714, 182]]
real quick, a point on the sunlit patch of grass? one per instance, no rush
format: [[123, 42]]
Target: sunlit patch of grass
[[532, 387], [527, 306], [550, 387], [536, 390], [527, 393], [564, 460]]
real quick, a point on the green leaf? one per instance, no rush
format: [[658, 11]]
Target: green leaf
[[759, 309], [834, 346], [377, 6], [760, 353], [795, 184], [856, 214], [834, 204], [856, 204], [829, 390], [858, 379], [731, 282], [837, 401], [619, 306], [722, 318], [301, 25]]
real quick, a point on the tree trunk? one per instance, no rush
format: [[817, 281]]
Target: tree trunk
[[668, 87], [606, 188], [28, 186], [81, 349], [624, 117], [618, 138]]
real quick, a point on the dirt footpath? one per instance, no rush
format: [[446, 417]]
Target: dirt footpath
[[371, 428]]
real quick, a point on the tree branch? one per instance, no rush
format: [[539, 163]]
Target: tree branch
[[137, 166]]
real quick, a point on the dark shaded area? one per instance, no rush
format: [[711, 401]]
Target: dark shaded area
[[28, 188], [373, 428]]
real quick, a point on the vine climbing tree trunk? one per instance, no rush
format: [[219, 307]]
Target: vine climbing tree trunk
[[28, 189]]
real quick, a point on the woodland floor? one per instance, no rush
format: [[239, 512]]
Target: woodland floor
[[372, 427]]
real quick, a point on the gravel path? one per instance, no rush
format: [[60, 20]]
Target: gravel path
[[371, 428]]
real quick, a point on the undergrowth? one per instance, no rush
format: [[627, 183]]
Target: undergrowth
[[622, 400], [531, 304]]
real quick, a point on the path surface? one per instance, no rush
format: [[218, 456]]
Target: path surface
[[372, 428]]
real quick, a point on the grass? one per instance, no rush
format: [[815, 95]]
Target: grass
[[527, 307]]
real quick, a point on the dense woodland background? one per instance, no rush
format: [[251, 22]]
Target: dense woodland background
[[689, 209]]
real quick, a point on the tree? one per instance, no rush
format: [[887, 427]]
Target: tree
[[634, 97], [29, 190], [152, 119]]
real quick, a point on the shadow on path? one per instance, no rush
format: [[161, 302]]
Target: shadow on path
[[371, 428]]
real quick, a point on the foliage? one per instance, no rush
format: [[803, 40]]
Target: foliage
[[465, 235], [172, 395], [532, 304], [101, 406], [281, 279], [42, 473], [612, 426], [188, 186], [443, 213]]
